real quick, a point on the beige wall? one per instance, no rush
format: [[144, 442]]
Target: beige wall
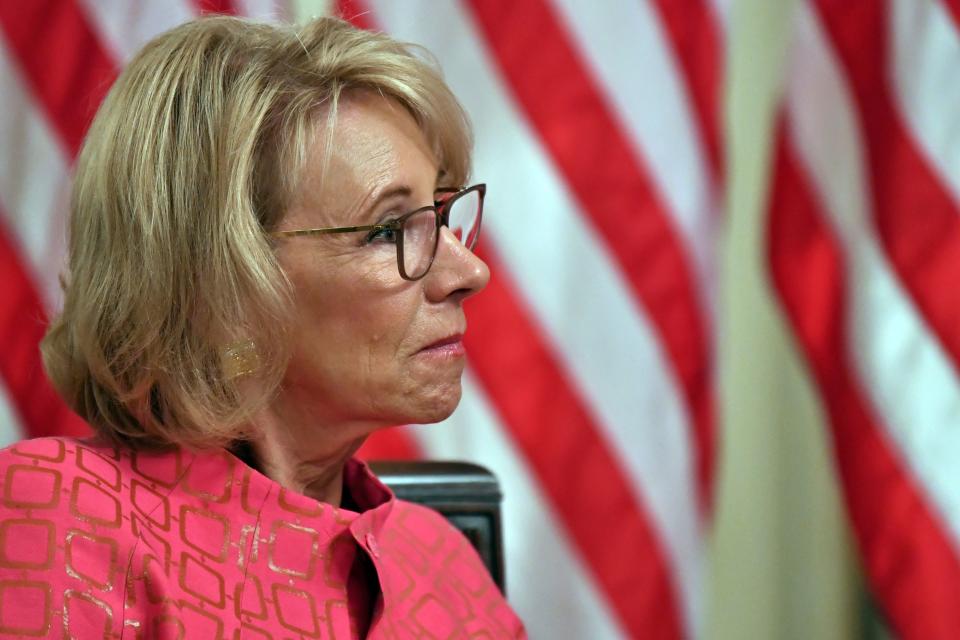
[[303, 9], [781, 566]]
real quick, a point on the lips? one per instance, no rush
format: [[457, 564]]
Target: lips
[[453, 340], [447, 349]]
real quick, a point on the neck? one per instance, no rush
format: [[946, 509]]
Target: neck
[[304, 456]]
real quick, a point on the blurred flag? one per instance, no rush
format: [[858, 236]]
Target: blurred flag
[[864, 251], [590, 382]]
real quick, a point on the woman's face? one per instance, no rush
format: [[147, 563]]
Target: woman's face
[[369, 346]]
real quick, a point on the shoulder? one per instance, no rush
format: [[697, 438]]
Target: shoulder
[[418, 535], [87, 484], [84, 493], [32, 470], [52, 451], [39, 474], [97, 532], [431, 534], [69, 485], [63, 538], [431, 531]]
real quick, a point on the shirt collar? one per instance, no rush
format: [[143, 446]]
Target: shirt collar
[[365, 488], [373, 499]]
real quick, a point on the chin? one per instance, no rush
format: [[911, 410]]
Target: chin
[[438, 406]]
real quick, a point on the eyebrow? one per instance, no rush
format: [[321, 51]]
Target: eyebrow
[[401, 191]]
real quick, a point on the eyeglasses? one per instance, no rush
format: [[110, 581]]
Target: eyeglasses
[[417, 233]]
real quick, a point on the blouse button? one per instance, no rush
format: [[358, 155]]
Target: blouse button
[[372, 546]]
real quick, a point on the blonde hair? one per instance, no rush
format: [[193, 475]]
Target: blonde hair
[[192, 159]]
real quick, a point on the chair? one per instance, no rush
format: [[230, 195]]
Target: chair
[[466, 494]]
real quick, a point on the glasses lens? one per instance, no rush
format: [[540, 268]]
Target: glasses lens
[[419, 242], [465, 218]]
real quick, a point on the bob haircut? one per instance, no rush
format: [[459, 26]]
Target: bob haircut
[[189, 164]]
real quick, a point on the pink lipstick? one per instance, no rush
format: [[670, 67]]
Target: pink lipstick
[[450, 347]]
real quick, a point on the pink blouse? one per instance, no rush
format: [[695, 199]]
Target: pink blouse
[[100, 543]]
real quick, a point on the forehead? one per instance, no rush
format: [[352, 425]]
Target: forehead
[[374, 145]]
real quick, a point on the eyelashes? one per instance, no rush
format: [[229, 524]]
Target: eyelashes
[[384, 235]]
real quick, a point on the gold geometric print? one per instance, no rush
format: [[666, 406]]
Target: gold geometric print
[[97, 542], [27, 543], [30, 487], [205, 531], [91, 558], [26, 607]]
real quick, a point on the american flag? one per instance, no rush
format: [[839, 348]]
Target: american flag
[[591, 382]]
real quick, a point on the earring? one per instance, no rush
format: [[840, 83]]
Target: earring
[[240, 359]]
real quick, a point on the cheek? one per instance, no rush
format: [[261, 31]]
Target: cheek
[[356, 326]]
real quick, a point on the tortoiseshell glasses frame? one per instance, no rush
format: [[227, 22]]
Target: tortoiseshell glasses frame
[[444, 201]]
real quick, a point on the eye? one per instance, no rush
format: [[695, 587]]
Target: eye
[[387, 234]]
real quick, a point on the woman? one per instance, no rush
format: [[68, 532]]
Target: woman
[[270, 247]]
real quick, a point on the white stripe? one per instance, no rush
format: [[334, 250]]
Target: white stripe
[[124, 26], [925, 74], [604, 340], [631, 57], [722, 12], [266, 10], [547, 583], [902, 367], [10, 429], [34, 182]]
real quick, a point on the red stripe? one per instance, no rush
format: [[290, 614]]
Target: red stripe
[[953, 7], [918, 221], [215, 6], [913, 569], [356, 12], [68, 72], [62, 60], [22, 325], [562, 102], [396, 443], [552, 427], [694, 38]]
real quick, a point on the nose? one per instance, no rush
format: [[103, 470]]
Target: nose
[[456, 272]]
